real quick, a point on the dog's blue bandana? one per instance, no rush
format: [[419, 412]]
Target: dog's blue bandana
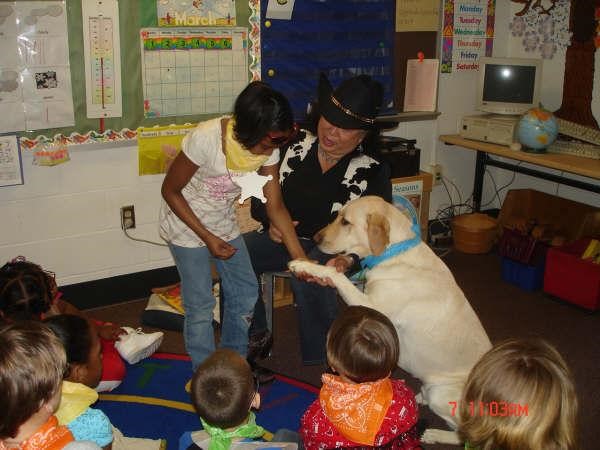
[[368, 262]]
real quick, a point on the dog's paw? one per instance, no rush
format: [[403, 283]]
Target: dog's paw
[[420, 399], [433, 436], [311, 268], [300, 265]]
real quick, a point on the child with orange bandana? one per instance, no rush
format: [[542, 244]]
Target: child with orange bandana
[[32, 363], [361, 406]]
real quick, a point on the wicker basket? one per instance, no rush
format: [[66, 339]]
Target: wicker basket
[[474, 233]]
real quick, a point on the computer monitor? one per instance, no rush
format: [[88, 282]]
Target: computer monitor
[[508, 85]]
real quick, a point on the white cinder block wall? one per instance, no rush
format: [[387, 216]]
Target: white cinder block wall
[[67, 217]]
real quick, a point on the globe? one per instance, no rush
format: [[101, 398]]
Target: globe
[[537, 129]]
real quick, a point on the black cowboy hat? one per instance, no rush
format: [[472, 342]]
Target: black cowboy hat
[[353, 105]]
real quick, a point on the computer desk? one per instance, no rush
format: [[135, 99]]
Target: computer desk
[[578, 165]]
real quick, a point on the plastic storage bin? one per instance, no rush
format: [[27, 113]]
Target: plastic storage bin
[[528, 278], [571, 278]]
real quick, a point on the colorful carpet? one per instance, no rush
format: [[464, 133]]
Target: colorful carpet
[[152, 401]]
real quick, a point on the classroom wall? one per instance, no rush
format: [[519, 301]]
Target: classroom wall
[[457, 98], [67, 217]]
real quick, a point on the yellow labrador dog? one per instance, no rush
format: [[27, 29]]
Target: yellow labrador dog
[[441, 337]]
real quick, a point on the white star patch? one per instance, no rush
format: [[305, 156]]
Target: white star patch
[[252, 185]]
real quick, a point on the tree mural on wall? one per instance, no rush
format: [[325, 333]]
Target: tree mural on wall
[[535, 5], [578, 81]]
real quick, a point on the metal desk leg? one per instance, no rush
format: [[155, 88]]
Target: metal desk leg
[[480, 163]]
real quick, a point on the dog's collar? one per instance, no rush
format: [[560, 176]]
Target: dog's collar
[[368, 262]]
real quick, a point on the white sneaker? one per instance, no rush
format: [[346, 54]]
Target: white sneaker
[[107, 386], [136, 345]]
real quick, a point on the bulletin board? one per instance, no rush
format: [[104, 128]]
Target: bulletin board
[[133, 16], [323, 35], [339, 38]]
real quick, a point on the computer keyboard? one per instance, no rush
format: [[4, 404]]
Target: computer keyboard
[[577, 131], [576, 148]]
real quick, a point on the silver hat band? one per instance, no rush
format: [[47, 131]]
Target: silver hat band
[[350, 113]]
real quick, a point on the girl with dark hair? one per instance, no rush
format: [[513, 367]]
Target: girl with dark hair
[[84, 367], [28, 292], [220, 159]]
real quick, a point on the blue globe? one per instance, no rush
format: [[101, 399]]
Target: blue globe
[[537, 129]]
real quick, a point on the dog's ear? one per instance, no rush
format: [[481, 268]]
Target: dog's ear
[[378, 231]]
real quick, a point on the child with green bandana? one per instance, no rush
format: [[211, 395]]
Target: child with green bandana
[[224, 392]]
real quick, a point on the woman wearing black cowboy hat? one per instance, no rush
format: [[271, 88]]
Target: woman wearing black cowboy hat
[[320, 172]]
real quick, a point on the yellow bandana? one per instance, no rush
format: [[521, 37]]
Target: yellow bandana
[[240, 159], [74, 400], [356, 410]]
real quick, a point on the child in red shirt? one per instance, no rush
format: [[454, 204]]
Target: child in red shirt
[[361, 406], [28, 292]]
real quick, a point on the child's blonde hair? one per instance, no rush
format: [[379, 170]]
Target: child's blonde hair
[[519, 396], [32, 364], [362, 345]]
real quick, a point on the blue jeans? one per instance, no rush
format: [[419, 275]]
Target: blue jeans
[[238, 286], [316, 305]]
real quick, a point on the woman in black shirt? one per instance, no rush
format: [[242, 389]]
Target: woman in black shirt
[[319, 173]]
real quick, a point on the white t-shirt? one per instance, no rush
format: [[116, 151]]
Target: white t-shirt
[[211, 193]]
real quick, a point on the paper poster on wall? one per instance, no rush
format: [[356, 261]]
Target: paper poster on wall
[[421, 85], [195, 13], [188, 71], [11, 167], [35, 78], [158, 146], [417, 15], [467, 33]]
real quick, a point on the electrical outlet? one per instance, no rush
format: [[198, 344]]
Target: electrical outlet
[[127, 217], [436, 171]]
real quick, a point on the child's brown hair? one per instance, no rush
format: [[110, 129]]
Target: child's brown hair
[[362, 345], [32, 364], [223, 389], [532, 386]]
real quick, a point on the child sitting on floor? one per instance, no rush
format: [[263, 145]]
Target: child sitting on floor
[[29, 292], [84, 367], [361, 406], [32, 363], [223, 393], [519, 396]]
